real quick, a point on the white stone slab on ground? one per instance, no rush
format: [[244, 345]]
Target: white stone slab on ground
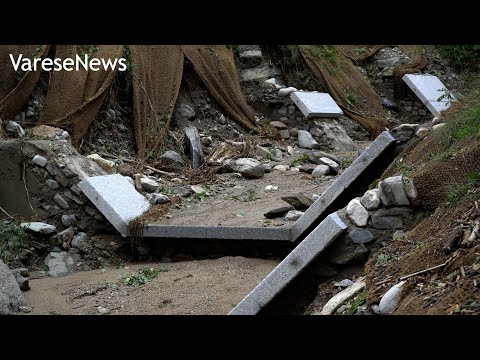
[[430, 90], [315, 104], [116, 198]]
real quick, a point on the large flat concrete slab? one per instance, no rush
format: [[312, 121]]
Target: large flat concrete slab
[[324, 234], [116, 198], [381, 144], [215, 232], [315, 104], [430, 90]]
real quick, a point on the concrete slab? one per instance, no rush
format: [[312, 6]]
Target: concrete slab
[[175, 231], [115, 198], [315, 104], [382, 143], [317, 209], [215, 232], [328, 230], [435, 107], [430, 90]]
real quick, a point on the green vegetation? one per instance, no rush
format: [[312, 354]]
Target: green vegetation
[[359, 300], [235, 49], [118, 262], [249, 195], [351, 99], [88, 50], [290, 54], [141, 277], [301, 160], [12, 241], [458, 190], [38, 50], [382, 258], [461, 56], [127, 54], [405, 170]]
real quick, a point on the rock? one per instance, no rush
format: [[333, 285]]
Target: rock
[[171, 157], [249, 168], [60, 263], [52, 184], [371, 199], [316, 155], [348, 254], [65, 237], [386, 222], [389, 104], [186, 111], [344, 283], [298, 200], [293, 215], [410, 190], [341, 309], [193, 146], [422, 131], [198, 189], [321, 170], [332, 164], [107, 165], [306, 141], [40, 161], [270, 188], [281, 167], [11, 297], [286, 91], [14, 128], [61, 201], [332, 135], [259, 73], [68, 220], [438, 126], [437, 120], [392, 191], [263, 152], [278, 211], [207, 141], [284, 134], [422, 112], [390, 300], [39, 227], [267, 168], [402, 134], [293, 132], [308, 168], [398, 234], [158, 199], [23, 282], [361, 236], [357, 213], [278, 125], [111, 113], [102, 310], [149, 185], [80, 241], [62, 135], [389, 62]]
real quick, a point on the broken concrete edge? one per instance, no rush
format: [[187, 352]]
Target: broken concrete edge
[[119, 216], [290, 267], [382, 143], [215, 232]]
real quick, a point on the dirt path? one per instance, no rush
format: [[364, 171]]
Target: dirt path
[[203, 287]]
